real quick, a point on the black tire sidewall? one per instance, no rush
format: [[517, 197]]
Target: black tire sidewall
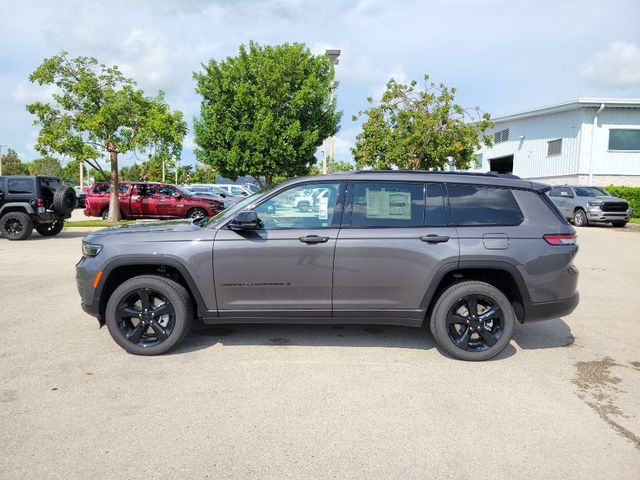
[[23, 218], [619, 224], [43, 228], [63, 195], [173, 291], [447, 300]]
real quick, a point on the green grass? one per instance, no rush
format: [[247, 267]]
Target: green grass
[[95, 223], [634, 220]]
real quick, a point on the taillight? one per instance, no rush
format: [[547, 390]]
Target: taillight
[[560, 239], [40, 202]]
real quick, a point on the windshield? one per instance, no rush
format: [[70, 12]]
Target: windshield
[[183, 191], [229, 212], [590, 192]]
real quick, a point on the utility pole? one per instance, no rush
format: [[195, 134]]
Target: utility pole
[[1, 145], [177, 168], [81, 174], [334, 57], [163, 170]]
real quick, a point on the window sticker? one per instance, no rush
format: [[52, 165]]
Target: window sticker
[[323, 208], [392, 205]]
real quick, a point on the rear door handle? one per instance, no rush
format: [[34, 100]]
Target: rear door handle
[[434, 238], [313, 239]]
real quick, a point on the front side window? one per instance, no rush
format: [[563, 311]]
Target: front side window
[[307, 206], [387, 204], [474, 205], [168, 191], [624, 139]]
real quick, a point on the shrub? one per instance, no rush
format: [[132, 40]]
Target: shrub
[[630, 194]]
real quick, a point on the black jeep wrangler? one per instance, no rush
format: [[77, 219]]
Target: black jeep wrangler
[[28, 202]]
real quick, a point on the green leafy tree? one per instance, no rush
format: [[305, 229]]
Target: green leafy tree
[[98, 112], [11, 164], [203, 174], [47, 166], [265, 112], [414, 128]]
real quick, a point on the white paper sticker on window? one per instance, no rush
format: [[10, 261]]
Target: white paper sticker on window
[[323, 208], [382, 204]]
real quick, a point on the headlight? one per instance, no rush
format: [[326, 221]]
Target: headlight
[[594, 204], [90, 250]]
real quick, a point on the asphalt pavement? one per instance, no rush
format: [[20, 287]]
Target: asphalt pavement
[[277, 402]]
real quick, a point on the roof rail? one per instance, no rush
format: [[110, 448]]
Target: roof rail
[[442, 172]]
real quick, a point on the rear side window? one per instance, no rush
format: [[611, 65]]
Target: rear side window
[[481, 205], [106, 188], [20, 186], [387, 204]]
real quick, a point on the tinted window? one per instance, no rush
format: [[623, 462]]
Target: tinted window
[[387, 204], [103, 188], [590, 192], [167, 191], [21, 185], [555, 192], [304, 206], [435, 213], [624, 139], [480, 205]]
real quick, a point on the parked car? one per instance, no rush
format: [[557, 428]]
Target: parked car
[[151, 200], [310, 199], [233, 189], [81, 195], [468, 255], [211, 191], [28, 202], [588, 205]]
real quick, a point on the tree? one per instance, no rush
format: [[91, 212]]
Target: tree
[[47, 166], [11, 164], [97, 112], [419, 129], [203, 174], [265, 112]]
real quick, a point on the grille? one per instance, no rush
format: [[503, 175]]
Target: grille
[[614, 207]]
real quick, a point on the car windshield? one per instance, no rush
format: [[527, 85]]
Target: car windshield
[[185, 192], [229, 212], [590, 192]]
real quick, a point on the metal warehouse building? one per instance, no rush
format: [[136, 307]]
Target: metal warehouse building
[[593, 141]]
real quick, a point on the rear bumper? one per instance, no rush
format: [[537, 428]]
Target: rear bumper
[[534, 312]]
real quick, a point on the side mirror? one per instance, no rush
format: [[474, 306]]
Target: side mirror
[[246, 220]]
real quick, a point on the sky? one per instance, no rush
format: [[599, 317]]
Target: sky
[[502, 56]]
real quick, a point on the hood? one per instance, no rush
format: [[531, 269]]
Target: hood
[[181, 225], [607, 198], [206, 198]]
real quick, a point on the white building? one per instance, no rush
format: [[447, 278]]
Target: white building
[[592, 141]]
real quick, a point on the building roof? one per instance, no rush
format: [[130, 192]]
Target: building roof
[[582, 102]]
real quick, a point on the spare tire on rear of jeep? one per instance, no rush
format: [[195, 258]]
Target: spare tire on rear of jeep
[[64, 200]]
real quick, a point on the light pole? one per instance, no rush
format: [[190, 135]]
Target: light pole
[[1, 145], [334, 57]]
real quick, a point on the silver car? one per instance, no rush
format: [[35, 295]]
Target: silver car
[[588, 205]]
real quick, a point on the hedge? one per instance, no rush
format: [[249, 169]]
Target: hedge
[[630, 194]]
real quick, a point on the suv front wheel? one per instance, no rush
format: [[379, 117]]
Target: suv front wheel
[[472, 321], [149, 314], [16, 226]]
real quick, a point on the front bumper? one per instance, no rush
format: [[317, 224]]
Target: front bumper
[[85, 276], [597, 215], [535, 312]]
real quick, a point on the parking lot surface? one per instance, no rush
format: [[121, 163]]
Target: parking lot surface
[[318, 401]]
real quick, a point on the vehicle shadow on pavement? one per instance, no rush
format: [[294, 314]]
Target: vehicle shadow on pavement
[[547, 334]]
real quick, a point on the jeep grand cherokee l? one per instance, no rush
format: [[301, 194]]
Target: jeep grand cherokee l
[[469, 255]]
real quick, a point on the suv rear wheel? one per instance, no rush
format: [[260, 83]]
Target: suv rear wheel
[[472, 321], [50, 229], [149, 314], [16, 226]]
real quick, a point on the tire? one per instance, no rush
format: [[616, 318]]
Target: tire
[[450, 327], [196, 213], [580, 218], [16, 226], [619, 224], [64, 200], [50, 229], [105, 213], [145, 340]]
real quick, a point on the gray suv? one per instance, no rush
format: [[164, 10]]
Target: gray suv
[[467, 254], [585, 205]]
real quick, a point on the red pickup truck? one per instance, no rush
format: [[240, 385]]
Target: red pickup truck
[[151, 200]]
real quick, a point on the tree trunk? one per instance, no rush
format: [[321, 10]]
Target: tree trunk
[[114, 200], [268, 179]]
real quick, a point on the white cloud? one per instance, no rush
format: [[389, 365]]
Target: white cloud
[[26, 92], [618, 66], [398, 74]]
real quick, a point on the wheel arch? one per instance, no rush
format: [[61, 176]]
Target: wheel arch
[[22, 207], [504, 276], [121, 270]]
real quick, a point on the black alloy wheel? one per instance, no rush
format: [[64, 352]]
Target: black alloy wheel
[[475, 323], [472, 320], [149, 314], [16, 226]]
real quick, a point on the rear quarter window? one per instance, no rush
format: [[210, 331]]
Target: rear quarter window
[[475, 205], [19, 186]]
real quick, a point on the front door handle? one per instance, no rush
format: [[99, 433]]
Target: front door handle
[[314, 239], [434, 238]]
